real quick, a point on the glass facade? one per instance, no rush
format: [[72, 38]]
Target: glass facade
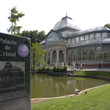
[[67, 44], [90, 53]]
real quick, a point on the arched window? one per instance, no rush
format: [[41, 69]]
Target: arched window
[[86, 37], [104, 35], [97, 35], [61, 56], [54, 56], [91, 36]]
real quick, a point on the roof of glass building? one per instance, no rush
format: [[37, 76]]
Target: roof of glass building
[[96, 29], [65, 22]]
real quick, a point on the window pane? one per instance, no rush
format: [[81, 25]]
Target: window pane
[[73, 40], [54, 56], [91, 36], [69, 56], [77, 39], [106, 53], [82, 38], [104, 35], [86, 37], [91, 54], [69, 41], [61, 56], [97, 35]]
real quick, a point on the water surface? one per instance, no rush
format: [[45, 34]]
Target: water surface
[[50, 86]]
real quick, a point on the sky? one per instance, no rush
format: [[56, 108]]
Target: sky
[[42, 15]]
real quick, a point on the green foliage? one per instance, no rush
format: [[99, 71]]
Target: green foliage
[[65, 69], [57, 69], [13, 18], [38, 55], [107, 25], [47, 69], [35, 36], [43, 70], [95, 99], [39, 70], [54, 69], [93, 73]]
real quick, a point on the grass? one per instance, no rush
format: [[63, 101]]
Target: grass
[[95, 99], [93, 73]]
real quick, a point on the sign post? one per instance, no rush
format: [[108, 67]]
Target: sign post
[[14, 72]]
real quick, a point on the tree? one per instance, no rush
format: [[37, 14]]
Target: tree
[[37, 53], [107, 25], [13, 18], [38, 56], [35, 36]]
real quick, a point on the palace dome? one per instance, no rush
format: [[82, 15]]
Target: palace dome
[[66, 22]]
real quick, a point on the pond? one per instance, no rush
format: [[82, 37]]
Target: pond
[[50, 86]]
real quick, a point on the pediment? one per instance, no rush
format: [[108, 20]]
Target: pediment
[[52, 37]]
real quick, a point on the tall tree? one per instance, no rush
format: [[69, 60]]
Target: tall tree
[[38, 56], [37, 53], [13, 18]]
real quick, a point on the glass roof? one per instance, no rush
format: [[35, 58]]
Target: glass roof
[[100, 28], [66, 22]]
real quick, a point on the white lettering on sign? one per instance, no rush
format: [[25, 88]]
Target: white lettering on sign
[[7, 47], [6, 41], [8, 54]]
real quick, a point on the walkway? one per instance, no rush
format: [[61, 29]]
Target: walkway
[[38, 100]]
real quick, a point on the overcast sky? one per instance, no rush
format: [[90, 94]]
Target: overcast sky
[[44, 14]]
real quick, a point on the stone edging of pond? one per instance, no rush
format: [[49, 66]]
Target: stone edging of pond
[[90, 76], [38, 100]]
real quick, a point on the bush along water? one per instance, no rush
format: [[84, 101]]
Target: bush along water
[[55, 71]]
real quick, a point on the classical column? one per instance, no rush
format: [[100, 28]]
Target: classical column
[[51, 57], [57, 56], [64, 53]]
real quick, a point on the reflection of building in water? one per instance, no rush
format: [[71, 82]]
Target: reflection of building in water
[[68, 44], [11, 75]]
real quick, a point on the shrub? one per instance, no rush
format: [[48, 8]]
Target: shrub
[[58, 69], [64, 69], [43, 69], [47, 69], [39, 70]]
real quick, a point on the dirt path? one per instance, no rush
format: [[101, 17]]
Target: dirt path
[[38, 100]]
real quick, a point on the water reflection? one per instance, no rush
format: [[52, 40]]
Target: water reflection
[[48, 86]]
